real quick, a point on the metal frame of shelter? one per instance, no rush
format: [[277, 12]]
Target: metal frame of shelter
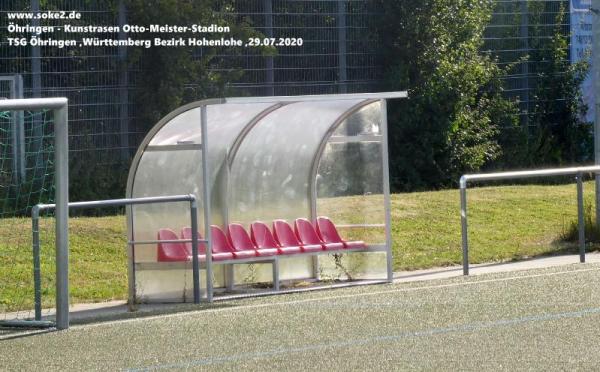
[[204, 146]]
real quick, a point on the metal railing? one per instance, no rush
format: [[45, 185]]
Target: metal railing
[[35, 218], [578, 172]]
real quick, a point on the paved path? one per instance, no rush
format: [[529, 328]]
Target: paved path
[[453, 271], [118, 309]]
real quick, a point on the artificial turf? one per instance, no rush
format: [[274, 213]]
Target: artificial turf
[[541, 319]]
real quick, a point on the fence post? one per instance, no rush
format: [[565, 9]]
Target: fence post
[[463, 221], [342, 48], [580, 217], [596, 79], [269, 60], [123, 86], [37, 280], [37, 123]]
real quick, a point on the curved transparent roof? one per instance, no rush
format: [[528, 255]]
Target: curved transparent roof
[[263, 157], [225, 123], [271, 172], [366, 121]]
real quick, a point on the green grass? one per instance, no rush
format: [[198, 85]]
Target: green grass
[[98, 261], [505, 223]]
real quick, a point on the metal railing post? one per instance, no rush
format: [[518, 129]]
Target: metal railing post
[[577, 171], [35, 214], [131, 286], [580, 217], [37, 280], [463, 222], [595, 73], [195, 251]]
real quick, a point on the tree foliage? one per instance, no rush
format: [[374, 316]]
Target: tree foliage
[[451, 121], [558, 133], [171, 76]]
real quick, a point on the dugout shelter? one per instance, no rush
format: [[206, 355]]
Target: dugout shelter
[[318, 164]]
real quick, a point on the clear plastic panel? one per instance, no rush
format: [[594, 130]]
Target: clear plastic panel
[[173, 283], [350, 193], [366, 121], [162, 173], [225, 122], [350, 189], [353, 266], [185, 127], [270, 174]]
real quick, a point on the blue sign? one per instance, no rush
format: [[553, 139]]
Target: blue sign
[[580, 5]]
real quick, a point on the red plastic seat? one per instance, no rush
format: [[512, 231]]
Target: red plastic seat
[[329, 234], [285, 236], [221, 255], [171, 252], [186, 234], [240, 240], [221, 249], [308, 235], [263, 239]]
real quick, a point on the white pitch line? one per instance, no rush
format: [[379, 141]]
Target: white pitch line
[[318, 299], [472, 327]]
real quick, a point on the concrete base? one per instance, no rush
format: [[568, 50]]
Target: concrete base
[[479, 269]]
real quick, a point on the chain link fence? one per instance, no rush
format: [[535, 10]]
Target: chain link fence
[[339, 55], [517, 30]]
